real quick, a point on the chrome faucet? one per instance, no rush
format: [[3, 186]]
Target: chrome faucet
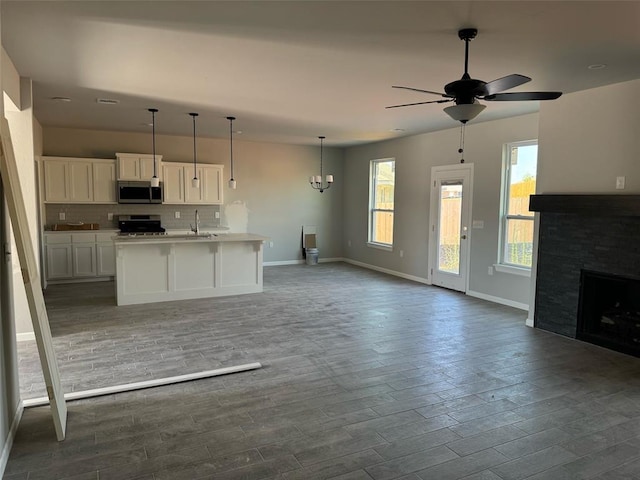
[[196, 229]]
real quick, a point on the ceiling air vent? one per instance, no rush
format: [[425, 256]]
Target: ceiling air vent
[[107, 101]]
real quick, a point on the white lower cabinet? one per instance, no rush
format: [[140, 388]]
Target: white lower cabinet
[[84, 260], [106, 257], [59, 262], [72, 256]]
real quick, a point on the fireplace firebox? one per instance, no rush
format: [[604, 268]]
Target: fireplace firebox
[[609, 311]]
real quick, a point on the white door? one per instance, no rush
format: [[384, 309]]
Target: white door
[[451, 192]]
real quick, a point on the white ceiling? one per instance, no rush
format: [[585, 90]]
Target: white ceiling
[[293, 70]]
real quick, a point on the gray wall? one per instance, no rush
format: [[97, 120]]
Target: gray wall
[[589, 138], [414, 158], [273, 188]]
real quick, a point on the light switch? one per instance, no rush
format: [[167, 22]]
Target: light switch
[[62, 216], [109, 216]]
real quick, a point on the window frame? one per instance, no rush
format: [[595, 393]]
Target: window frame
[[373, 170], [502, 265]]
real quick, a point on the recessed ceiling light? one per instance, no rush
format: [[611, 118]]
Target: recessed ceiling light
[[597, 66], [61, 99], [107, 101]]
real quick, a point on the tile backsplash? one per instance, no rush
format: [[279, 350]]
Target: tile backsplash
[[98, 213]]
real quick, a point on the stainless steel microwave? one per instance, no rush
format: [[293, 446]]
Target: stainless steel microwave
[[139, 192]]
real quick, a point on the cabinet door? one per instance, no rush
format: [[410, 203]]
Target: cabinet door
[[56, 181], [173, 178], [106, 256], [80, 181], [211, 182], [104, 182], [146, 167], [84, 260], [59, 262], [193, 194], [128, 168]]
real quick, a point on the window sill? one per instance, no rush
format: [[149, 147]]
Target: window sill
[[523, 272], [380, 246]]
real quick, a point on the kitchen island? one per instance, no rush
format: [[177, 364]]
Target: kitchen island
[[180, 267]]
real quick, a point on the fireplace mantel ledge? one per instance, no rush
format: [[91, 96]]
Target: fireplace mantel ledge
[[594, 205]]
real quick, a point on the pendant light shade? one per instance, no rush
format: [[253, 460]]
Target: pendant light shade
[[316, 181], [195, 181], [155, 181], [232, 181]]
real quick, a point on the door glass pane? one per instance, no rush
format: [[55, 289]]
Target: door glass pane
[[382, 227], [449, 228], [518, 249]]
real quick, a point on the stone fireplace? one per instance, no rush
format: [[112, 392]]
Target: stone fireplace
[[593, 239]]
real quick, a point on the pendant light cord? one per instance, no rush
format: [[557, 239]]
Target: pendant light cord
[[231, 119], [195, 172], [153, 138], [321, 177]]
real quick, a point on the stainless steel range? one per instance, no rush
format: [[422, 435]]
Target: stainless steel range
[[140, 225]]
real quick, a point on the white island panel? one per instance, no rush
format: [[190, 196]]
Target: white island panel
[[195, 266], [181, 267], [238, 265]]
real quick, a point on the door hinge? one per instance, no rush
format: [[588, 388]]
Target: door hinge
[[432, 271]]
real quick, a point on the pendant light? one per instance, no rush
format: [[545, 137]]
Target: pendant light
[[155, 181], [316, 180], [195, 181], [232, 181]]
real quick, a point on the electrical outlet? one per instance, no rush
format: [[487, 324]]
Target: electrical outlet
[[401, 253], [348, 243], [270, 244], [620, 183], [62, 216], [177, 215], [109, 216], [490, 271], [216, 214]]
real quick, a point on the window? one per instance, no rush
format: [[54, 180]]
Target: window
[[520, 167], [381, 194]]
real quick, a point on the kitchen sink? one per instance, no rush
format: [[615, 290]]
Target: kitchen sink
[[191, 236]]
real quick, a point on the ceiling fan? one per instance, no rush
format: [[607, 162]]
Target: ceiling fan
[[467, 91]]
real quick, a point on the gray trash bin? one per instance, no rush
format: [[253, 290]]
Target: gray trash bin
[[312, 256]]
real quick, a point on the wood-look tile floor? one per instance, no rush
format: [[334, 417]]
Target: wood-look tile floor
[[365, 376]]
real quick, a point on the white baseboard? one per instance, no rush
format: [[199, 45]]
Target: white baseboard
[[25, 337], [282, 262], [501, 301], [301, 262], [8, 443], [529, 322], [387, 271]]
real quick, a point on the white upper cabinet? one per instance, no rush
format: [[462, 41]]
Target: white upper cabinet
[[178, 188], [104, 181], [79, 180], [173, 183], [137, 166]]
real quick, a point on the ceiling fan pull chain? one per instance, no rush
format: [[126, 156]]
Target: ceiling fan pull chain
[[461, 149]]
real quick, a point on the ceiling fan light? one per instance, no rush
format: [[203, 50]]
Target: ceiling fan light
[[464, 112]]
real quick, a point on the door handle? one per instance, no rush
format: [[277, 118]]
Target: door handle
[[463, 237]]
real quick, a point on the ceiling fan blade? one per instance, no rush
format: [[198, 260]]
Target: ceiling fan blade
[[520, 96], [420, 90], [505, 83], [420, 103]]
